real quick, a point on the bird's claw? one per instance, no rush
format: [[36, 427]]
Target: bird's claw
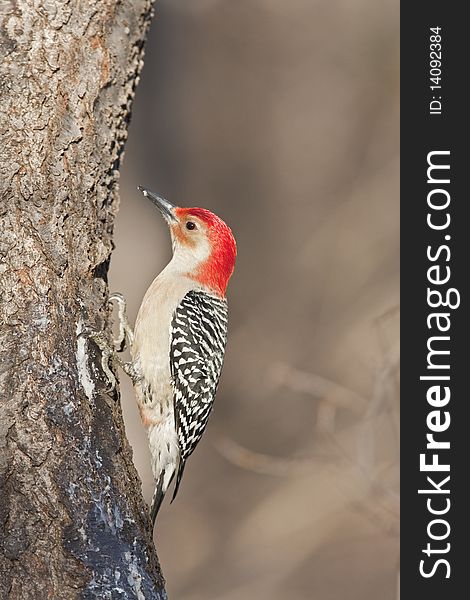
[[108, 352]]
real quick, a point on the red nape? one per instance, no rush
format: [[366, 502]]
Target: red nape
[[216, 271]]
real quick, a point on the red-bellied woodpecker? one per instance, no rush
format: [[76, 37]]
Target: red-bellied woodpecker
[[178, 344]]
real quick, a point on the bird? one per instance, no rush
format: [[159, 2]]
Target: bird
[[178, 344]]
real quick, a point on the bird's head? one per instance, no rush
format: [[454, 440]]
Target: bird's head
[[203, 245]]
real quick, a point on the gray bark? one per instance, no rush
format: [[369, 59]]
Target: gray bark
[[73, 523]]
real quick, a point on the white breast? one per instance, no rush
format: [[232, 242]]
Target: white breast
[[151, 348], [151, 357]]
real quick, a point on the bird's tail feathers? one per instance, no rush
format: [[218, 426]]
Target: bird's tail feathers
[[179, 477], [159, 492], [157, 499]]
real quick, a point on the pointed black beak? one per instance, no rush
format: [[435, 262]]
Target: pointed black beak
[[166, 208]]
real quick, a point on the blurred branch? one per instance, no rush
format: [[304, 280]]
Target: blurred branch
[[328, 392], [265, 464], [363, 464]]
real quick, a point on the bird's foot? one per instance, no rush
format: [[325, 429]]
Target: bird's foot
[[109, 352]]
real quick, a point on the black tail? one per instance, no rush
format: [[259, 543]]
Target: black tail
[[178, 478], [159, 494], [157, 499]]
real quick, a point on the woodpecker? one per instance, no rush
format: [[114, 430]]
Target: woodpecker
[[178, 344]]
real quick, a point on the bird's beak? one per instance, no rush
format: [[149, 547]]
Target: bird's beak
[[166, 208]]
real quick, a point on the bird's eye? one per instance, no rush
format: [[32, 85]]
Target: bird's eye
[[190, 225]]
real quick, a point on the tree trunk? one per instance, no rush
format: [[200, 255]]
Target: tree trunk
[[73, 523]]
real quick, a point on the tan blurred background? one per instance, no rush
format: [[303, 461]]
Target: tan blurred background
[[282, 117]]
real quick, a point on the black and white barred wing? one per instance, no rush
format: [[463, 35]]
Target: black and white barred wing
[[198, 336]]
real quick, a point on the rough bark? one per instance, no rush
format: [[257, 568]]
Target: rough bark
[[73, 523]]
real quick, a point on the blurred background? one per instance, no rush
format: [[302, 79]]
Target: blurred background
[[281, 117]]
